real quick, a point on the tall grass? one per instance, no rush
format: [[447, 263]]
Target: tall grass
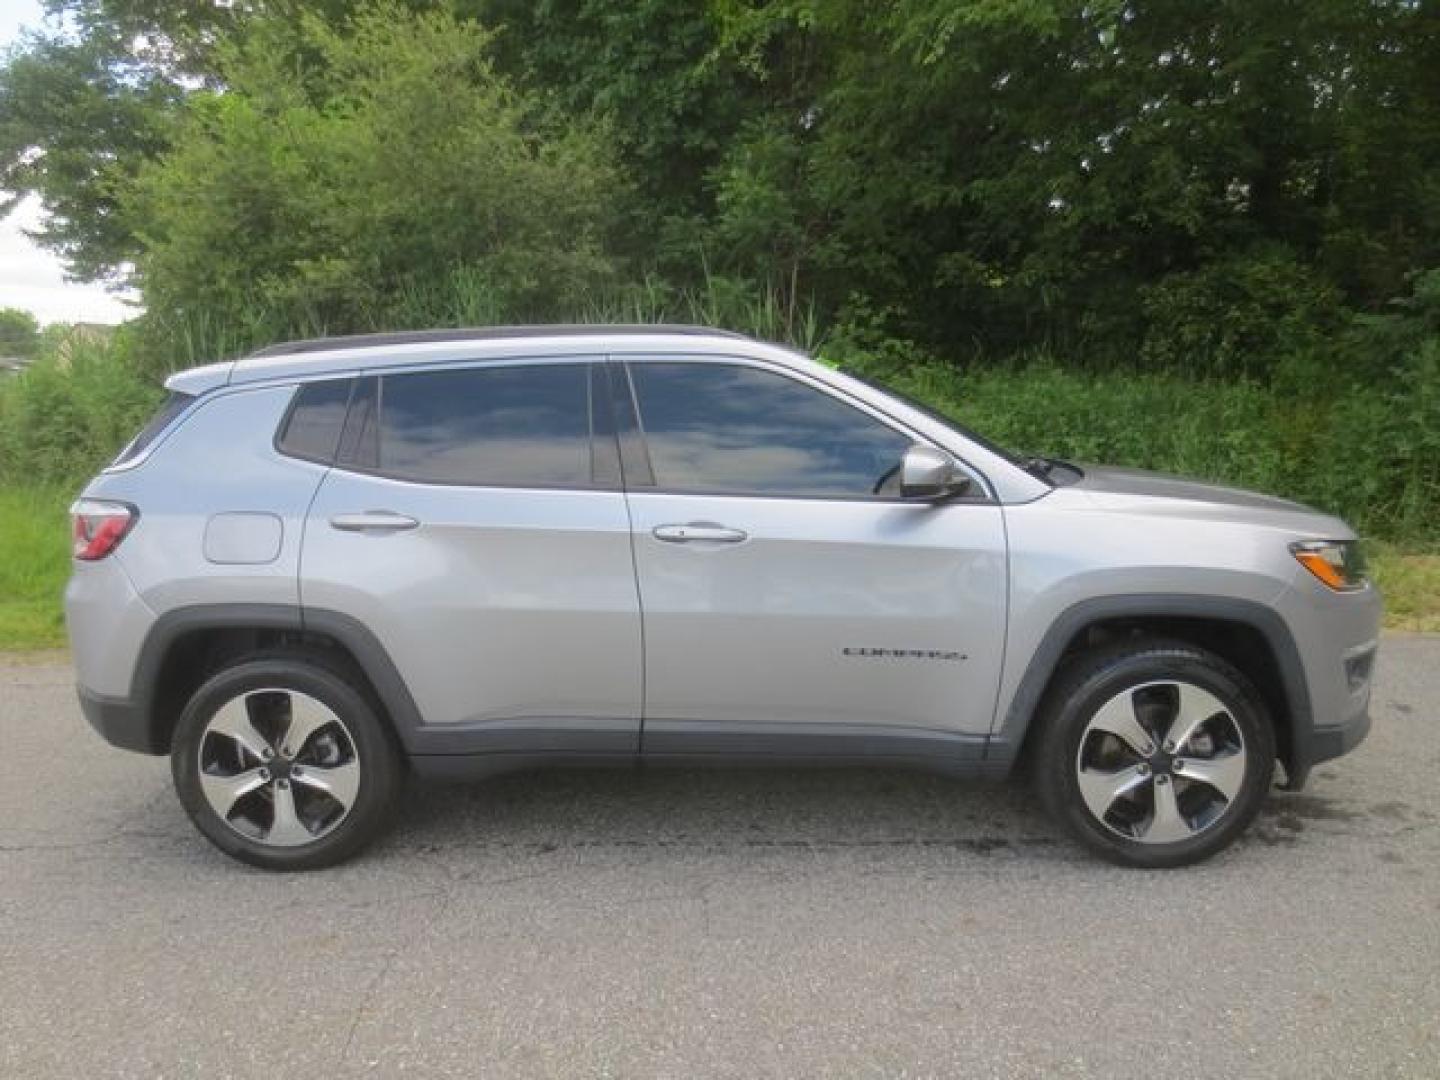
[[468, 297], [34, 561]]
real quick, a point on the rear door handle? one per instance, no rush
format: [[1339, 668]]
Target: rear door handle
[[698, 531], [372, 521]]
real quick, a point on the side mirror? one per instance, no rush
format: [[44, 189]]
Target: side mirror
[[931, 475]]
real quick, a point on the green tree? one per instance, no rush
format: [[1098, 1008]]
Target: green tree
[[86, 103], [1197, 183], [19, 333], [346, 169], [76, 124]]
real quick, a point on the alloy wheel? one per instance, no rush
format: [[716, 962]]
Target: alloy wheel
[[1161, 762], [279, 767]]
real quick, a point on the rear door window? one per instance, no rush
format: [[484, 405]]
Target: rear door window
[[311, 430], [512, 426]]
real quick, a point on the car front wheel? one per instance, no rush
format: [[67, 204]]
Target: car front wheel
[[1154, 753]]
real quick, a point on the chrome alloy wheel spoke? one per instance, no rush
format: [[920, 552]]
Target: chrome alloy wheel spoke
[[233, 722], [1118, 717], [1100, 788], [340, 782], [307, 716], [286, 828], [1167, 824], [225, 791], [1196, 706], [1225, 773]]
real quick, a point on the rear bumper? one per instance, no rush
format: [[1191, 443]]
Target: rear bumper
[[121, 723], [107, 622]]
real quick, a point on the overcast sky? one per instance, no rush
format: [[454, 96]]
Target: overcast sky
[[32, 279]]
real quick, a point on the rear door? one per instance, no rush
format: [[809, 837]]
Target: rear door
[[792, 600], [474, 523]]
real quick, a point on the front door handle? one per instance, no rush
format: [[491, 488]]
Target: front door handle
[[698, 531], [372, 521]]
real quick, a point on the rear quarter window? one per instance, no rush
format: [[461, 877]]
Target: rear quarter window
[[169, 410]]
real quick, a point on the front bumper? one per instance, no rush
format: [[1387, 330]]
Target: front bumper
[[1323, 744], [1330, 742], [1338, 637]]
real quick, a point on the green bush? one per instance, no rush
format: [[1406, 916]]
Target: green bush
[[344, 172], [1239, 316], [70, 412], [1371, 457]]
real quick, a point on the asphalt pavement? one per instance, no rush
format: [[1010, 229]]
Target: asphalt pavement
[[686, 924]]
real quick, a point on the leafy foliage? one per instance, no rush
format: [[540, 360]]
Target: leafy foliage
[[19, 333], [1203, 185], [70, 412], [76, 124], [344, 167], [1202, 235]]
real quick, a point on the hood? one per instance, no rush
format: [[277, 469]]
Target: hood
[[1176, 495], [1160, 486]]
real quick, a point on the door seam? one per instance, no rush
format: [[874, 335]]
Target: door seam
[[610, 365]]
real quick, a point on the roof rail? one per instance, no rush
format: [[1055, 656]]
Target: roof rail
[[485, 333]]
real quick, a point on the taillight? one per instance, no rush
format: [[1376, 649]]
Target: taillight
[[97, 527]]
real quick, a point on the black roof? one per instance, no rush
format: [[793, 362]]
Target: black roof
[[483, 333]]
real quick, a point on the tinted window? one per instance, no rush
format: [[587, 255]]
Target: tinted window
[[507, 425], [172, 407], [729, 429], [312, 429]]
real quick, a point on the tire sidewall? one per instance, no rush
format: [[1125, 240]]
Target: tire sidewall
[[378, 765], [1091, 687]]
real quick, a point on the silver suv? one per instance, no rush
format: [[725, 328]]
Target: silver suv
[[466, 552]]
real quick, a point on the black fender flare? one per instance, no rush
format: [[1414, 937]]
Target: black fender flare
[[353, 635], [1010, 734]]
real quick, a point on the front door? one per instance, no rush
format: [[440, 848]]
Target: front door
[[791, 599]]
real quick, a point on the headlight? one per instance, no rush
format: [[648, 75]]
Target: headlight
[[1337, 563]]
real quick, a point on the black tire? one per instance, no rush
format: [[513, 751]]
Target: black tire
[[1092, 680], [380, 772]]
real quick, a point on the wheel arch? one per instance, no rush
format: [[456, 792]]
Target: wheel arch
[[1250, 635], [187, 645]]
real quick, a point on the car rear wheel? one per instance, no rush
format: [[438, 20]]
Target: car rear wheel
[[283, 764], [1154, 753]]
